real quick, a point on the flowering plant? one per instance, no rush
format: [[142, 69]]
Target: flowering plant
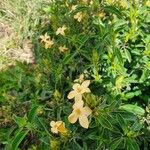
[[92, 66]]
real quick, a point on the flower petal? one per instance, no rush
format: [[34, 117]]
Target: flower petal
[[54, 130], [58, 123], [87, 90], [81, 77], [64, 27], [72, 118], [71, 95], [86, 83], [78, 97], [78, 104], [52, 123], [57, 32], [76, 86], [87, 110], [83, 120], [62, 128]]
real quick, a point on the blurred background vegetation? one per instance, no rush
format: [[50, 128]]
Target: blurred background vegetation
[[19, 22]]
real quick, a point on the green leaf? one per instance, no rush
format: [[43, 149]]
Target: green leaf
[[133, 109], [81, 40], [136, 126], [85, 146], [97, 21], [42, 124], [119, 55], [18, 139], [122, 122], [104, 122], [68, 58], [129, 95], [144, 75], [81, 8], [113, 10], [137, 93], [32, 113], [132, 145], [76, 146], [21, 121], [128, 55], [114, 145]]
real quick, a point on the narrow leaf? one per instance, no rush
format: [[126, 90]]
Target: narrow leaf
[[119, 55], [18, 139], [128, 55], [133, 109], [20, 121], [104, 122], [132, 145], [113, 10], [144, 75], [114, 145], [32, 113]]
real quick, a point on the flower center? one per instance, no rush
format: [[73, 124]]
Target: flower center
[[79, 89], [55, 126], [78, 111], [61, 128]]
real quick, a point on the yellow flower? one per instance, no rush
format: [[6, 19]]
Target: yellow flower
[[61, 30], [58, 126], [73, 7], [102, 15], [44, 37], [81, 113], [91, 2], [78, 16], [124, 3], [48, 44], [63, 48], [78, 90], [46, 40]]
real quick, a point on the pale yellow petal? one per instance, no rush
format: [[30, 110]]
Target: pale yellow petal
[[54, 130], [64, 28], [58, 123], [78, 97], [83, 120], [87, 90], [72, 118], [57, 32], [86, 83], [87, 110], [76, 86], [62, 128], [81, 77], [52, 123], [71, 95], [46, 46], [78, 104], [73, 7]]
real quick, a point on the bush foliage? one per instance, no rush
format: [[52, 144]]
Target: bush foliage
[[103, 44]]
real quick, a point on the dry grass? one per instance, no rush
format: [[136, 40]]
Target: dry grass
[[18, 20]]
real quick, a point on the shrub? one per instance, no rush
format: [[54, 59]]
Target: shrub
[[92, 65]]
